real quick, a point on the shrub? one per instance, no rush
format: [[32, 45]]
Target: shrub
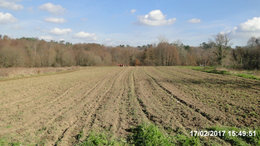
[[149, 135]]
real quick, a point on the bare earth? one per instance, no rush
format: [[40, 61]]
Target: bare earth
[[53, 109]]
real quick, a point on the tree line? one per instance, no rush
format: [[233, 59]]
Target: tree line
[[32, 52]]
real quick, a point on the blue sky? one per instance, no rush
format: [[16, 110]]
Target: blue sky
[[134, 22]]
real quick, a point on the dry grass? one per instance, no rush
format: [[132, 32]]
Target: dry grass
[[26, 72]]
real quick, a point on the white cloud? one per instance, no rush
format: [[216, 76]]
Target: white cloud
[[47, 38], [194, 20], [155, 18], [242, 32], [10, 5], [133, 11], [249, 28], [251, 24], [6, 18], [58, 31], [55, 20], [86, 35], [54, 9]]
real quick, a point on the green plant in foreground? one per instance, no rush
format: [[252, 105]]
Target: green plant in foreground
[[150, 135], [186, 141], [4, 142], [142, 135], [239, 140]]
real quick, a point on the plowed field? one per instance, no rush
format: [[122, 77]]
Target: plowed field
[[54, 109]]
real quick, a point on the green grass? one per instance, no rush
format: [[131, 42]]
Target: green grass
[[248, 76], [184, 140], [151, 135], [4, 142], [142, 135], [148, 134], [210, 69], [238, 140]]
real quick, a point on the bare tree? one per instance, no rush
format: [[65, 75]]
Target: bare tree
[[222, 42]]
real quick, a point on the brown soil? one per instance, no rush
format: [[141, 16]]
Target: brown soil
[[54, 109]]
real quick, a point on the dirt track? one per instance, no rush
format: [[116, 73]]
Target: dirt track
[[54, 109]]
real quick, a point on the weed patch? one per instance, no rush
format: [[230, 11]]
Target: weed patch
[[184, 140], [4, 142], [209, 69], [142, 135], [149, 135], [239, 139], [248, 76]]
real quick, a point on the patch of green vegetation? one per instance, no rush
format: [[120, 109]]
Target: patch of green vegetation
[[248, 76], [142, 135], [4, 142], [151, 135], [223, 72], [200, 68], [239, 140], [210, 69], [148, 134], [184, 140]]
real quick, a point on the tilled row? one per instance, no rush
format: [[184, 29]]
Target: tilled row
[[63, 109], [220, 103]]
